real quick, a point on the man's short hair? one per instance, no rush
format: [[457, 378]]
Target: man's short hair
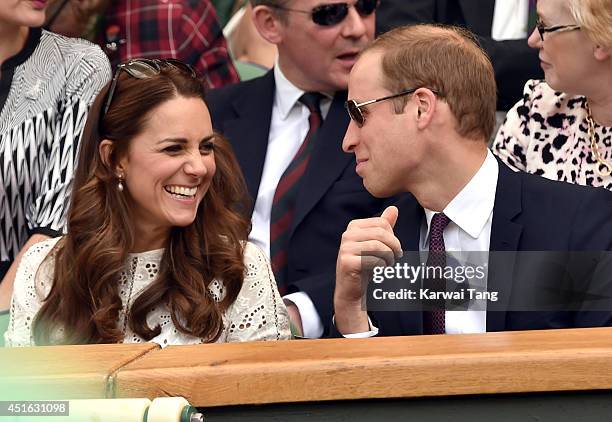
[[445, 59], [275, 5]]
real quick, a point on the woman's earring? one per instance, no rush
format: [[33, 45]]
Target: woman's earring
[[120, 184]]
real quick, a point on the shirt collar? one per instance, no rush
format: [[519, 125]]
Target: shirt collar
[[286, 94], [472, 207]]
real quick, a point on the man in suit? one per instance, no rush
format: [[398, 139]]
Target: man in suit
[[424, 133], [502, 27], [296, 112]]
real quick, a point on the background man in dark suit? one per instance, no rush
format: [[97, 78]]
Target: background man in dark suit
[[287, 128], [505, 41], [425, 132]]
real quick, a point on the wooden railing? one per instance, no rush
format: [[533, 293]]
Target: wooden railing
[[318, 370]]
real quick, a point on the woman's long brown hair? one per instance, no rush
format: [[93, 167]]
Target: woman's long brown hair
[[84, 300]]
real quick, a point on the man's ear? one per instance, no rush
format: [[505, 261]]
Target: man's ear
[[425, 102], [107, 149], [268, 24]]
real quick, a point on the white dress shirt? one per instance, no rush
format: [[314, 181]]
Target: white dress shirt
[[471, 214], [288, 128], [510, 20]]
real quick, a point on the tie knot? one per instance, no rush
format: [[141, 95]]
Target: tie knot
[[312, 101], [438, 224]]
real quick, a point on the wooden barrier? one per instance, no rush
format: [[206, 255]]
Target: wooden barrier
[[324, 370], [398, 367], [61, 372]]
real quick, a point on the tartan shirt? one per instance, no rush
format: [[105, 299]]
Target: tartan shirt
[[186, 30]]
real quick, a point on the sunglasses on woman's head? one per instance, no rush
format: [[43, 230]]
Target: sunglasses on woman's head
[[333, 13], [142, 69]]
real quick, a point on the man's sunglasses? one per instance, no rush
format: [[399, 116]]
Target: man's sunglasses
[[142, 69], [354, 108], [334, 13]]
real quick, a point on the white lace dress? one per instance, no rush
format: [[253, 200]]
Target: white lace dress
[[257, 314]]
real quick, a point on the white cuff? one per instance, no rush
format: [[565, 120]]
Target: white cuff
[[311, 321], [366, 334]]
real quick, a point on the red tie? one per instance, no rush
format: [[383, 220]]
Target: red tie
[[283, 204], [434, 321]]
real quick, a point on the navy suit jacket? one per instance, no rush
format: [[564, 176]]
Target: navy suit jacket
[[331, 193], [530, 214], [513, 60]]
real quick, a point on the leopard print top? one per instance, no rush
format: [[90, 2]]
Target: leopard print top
[[546, 133]]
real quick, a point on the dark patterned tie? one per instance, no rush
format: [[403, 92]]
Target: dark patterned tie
[[283, 204], [434, 320]]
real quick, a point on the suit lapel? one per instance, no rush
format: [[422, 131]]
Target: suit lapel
[[505, 238], [478, 15], [408, 226], [249, 131], [327, 160], [408, 231]]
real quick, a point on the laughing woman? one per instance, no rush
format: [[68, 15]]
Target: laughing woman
[[156, 247], [562, 128]]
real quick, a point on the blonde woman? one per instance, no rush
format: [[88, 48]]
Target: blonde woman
[[562, 128]]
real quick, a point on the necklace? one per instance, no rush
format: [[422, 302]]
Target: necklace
[[604, 169]]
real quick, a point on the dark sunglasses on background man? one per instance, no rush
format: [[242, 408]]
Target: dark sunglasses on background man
[[333, 13], [142, 69]]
